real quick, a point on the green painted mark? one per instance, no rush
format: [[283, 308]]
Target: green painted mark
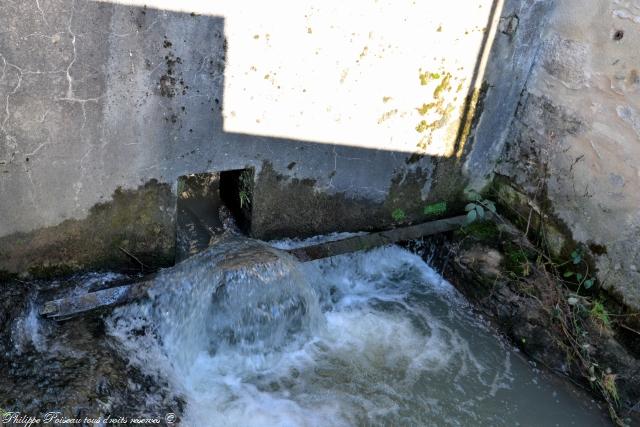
[[435, 208]]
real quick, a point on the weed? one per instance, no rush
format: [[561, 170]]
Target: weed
[[517, 260], [600, 314], [244, 199], [477, 207], [571, 315], [583, 279], [246, 188], [609, 385], [398, 215]]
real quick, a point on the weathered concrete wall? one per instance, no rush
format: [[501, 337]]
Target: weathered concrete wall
[[574, 147], [354, 115], [515, 46]]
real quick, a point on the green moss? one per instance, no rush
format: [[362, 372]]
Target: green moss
[[387, 115], [137, 220], [398, 215], [47, 272], [444, 85], [518, 207], [438, 106], [516, 260], [438, 208], [426, 107], [425, 77], [422, 126], [481, 230], [6, 276]]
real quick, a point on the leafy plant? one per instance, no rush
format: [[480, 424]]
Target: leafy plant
[[476, 209], [582, 279], [398, 215]]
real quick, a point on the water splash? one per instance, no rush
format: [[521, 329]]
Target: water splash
[[26, 331], [218, 301], [367, 338]]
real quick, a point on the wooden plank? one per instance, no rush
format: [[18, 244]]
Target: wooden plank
[[65, 308], [248, 253], [372, 240]]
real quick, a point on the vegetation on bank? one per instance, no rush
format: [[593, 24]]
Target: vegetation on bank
[[577, 317]]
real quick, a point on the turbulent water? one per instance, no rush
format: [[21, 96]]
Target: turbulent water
[[374, 338]]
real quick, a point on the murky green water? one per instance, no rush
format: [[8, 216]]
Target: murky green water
[[373, 338]]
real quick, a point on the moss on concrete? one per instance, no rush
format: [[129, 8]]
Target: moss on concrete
[[529, 215], [135, 223], [480, 230], [291, 207], [6, 276], [436, 209]]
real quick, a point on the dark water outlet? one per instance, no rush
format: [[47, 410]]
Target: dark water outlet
[[197, 213], [236, 192], [200, 197]]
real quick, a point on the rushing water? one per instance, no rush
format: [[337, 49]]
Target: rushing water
[[374, 338]]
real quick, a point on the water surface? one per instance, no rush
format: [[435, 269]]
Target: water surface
[[375, 338]]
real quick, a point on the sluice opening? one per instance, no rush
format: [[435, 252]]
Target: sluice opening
[[236, 192], [210, 203]]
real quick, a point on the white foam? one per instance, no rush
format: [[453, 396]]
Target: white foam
[[395, 346], [26, 330], [299, 243]]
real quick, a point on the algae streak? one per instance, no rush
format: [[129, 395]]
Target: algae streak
[[135, 223]]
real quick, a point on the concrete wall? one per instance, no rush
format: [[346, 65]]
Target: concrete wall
[[354, 115], [574, 147]]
